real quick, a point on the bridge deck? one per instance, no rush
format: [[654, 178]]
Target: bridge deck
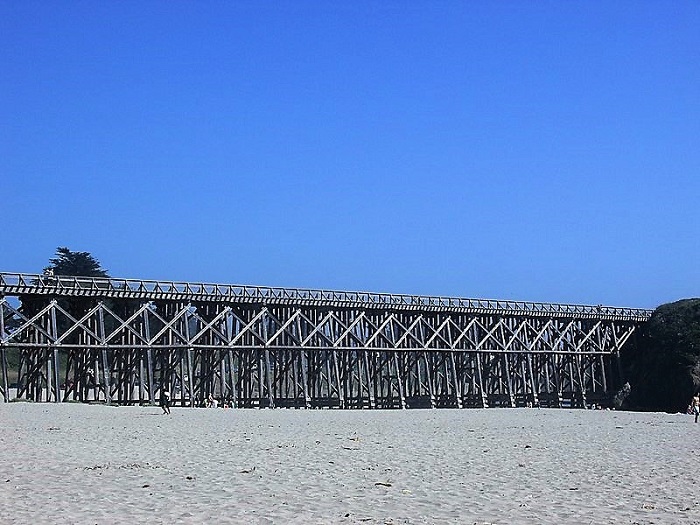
[[15, 284]]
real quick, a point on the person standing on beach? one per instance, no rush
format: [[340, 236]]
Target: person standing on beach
[[211, 402], [695, 405], [165, 402]]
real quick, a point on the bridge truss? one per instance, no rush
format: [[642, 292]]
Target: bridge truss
[[125, 341]]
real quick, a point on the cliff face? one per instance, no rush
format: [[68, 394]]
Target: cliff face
[[662, 364]]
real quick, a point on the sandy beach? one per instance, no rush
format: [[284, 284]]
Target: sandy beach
[[79, 464]]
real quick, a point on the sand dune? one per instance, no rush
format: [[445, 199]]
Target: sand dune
[[72, 463]]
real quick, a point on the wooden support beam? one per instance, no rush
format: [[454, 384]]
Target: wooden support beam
[[533, 382], [4, 374], [509, 382], [457, 385]]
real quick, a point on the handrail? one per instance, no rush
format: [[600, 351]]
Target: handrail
[[24, 283]]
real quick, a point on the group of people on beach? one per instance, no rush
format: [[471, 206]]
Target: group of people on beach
[[211, 402]]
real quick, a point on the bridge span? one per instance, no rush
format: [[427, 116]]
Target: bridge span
[[125, 341]]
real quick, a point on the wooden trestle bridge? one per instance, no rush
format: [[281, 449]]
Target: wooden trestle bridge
[[125, 341]]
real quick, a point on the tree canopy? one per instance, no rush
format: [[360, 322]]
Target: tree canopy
[[68, 262], [663, 363]]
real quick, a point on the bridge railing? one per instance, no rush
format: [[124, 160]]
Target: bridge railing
[[23, 283]]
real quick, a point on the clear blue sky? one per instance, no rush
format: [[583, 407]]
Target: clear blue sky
[[544, 151]]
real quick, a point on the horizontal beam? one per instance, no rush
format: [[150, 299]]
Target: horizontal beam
[[22, 284], [111, 347]]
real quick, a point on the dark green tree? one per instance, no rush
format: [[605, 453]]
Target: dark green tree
[[68, 262], [663, 363]]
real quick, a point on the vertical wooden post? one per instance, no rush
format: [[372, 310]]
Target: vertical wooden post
[[232, 378], [150, 370], [304, 376], [54, 367], [509, 382], [268, 368], [190, 376], [142, 378], [4, 376], [49, 373], [221, 355], [369, 380], [3, 355], [533, 383], [338, 386], [603, 375], [106, 374], [361, 371], [428, 356], [458, 388], [400, 379], [572, 380], [582, 386], [147, 336], [455, 379], [557, 367], [295, 357]]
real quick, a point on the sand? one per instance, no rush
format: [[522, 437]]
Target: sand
[[73, 463]]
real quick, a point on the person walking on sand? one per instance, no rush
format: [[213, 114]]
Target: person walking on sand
[[211, 402], [695, 406], [165, 401]]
